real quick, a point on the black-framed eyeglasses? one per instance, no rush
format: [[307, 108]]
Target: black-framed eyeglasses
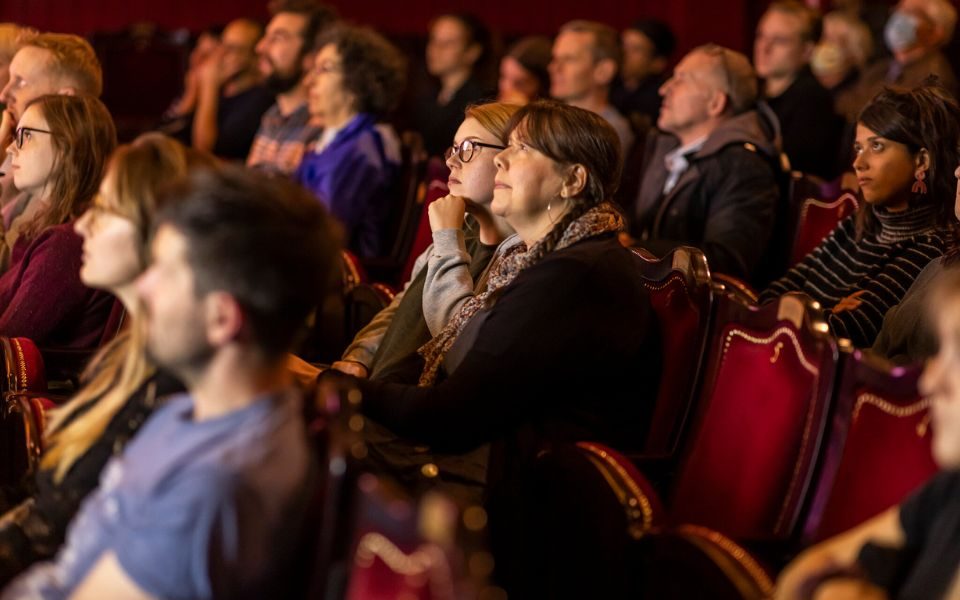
[[466, 150], [21, 131]]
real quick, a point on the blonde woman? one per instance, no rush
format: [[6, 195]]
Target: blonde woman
[[121, 386]]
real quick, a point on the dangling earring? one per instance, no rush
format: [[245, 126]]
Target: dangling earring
[[919, 187]]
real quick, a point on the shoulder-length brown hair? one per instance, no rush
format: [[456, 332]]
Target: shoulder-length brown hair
[[83, 136]]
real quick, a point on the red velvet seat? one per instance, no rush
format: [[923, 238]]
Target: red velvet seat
[[879, 449], [24, 365], [733, 286], [691, 561], [353, 272], [761, 418], [816, 218], [680, 292]]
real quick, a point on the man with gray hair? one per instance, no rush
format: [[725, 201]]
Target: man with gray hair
[[710, 175], [915, 33], [586, 58]]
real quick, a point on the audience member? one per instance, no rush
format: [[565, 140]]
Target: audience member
[[910, 550], [49, 63], [458, 44], [121, 386], [905, 154], [448, 271], [710, 175], [809, 128], [647, 47], [840, 57], [12, 36], [358, 77], [181, 109], [523, 71], [205, 501], [517, 364], [286, 55], [230, 98], [58, 156], [586, 58], [915, 34], [907, 331]]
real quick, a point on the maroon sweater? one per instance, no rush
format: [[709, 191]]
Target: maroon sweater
[[42, 297]]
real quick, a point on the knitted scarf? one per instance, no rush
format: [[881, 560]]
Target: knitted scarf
[[600, 219]]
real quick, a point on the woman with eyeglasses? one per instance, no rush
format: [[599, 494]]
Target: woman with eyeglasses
[[357, 78], [560, 343], [444, 276], [57, 157], [121, 387]]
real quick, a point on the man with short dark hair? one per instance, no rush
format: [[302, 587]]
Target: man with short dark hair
[[586, 58], [207, 500], [710, 173], [811, 131], [285, 57], [647, 47]]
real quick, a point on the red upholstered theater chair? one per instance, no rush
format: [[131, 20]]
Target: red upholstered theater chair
[[425, 548], [403, 213], [735, 287], [760, 421], [21, 420], [353, 271], [879, 449], [681, 295], [816, 218], [436, 187]]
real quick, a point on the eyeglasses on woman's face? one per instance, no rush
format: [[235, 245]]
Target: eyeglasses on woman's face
[[467, 149], [26, 133]]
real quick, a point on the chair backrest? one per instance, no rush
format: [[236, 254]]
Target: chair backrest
[[436, 187], [879, 448], [24, 365], [353, 272], [680, 293], [760, 419], [692, 561], [362, 303], [816, 218], [406, 201]]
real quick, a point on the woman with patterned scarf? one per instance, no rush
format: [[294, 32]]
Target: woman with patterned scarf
[[561, 344]]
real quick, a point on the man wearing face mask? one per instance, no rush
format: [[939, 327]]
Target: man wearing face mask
[[915, 33]]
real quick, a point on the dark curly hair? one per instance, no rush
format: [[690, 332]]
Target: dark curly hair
[[926, 117], [374, 70]]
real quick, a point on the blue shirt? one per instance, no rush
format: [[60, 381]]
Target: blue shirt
[[191, 509], [353, 177]]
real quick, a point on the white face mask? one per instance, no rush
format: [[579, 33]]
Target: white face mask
[[828, 60], [900, 32]]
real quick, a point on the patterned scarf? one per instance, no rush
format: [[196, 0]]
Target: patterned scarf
[[600, 219]]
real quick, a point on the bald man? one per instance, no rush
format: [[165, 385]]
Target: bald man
[[231, 99]]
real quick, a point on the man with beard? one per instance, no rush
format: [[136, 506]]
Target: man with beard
[[286, 54], [230, 99]]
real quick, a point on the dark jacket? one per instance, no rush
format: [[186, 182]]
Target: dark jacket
[[725, 203]]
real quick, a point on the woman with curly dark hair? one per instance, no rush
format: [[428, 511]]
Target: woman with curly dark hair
[[357, 78]]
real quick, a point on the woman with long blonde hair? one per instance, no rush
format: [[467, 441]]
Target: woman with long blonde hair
[[121, 387]]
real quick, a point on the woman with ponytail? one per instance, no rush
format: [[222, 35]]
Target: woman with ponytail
[[560, 343], [121, 387], [905, 154]]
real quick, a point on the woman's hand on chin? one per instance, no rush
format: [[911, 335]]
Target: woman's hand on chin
[[446, 212]]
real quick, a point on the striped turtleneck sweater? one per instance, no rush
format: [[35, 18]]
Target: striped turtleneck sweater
[[882, 266]]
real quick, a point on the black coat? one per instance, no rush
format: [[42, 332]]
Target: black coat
[[725, 203]]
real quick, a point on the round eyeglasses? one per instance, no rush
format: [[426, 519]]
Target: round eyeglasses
[[466, 150]]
